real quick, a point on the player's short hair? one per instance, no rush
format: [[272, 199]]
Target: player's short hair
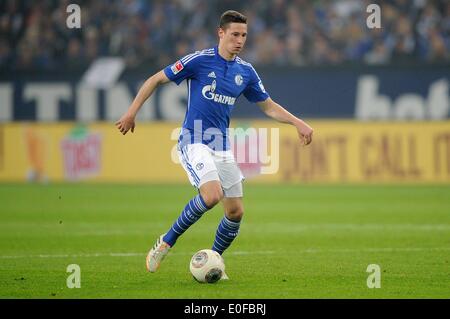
[[231, 16]]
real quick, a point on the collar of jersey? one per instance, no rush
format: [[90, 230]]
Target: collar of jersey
[[219, 57]]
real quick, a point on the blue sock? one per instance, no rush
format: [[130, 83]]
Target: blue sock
[[226, 233], [190, 214]]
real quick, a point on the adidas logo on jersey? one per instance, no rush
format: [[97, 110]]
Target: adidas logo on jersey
[[212, 75]]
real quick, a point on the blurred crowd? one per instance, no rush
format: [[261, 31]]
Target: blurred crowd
[[34, 34]]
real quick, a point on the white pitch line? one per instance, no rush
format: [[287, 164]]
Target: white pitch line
[[362, 227], [257, 252], [266, 227]]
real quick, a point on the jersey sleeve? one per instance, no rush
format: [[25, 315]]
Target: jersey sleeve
[[182, 69], [255, 91]]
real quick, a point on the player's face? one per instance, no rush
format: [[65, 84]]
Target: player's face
[[233, 37]]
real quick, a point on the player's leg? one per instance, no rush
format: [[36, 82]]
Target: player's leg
[[228, 228], [202, 171], [206, 179], [210, 193], [231, 178]]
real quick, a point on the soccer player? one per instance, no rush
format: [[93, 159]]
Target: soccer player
[[215, 77]]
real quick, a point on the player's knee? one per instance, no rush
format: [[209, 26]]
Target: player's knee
[[235, 214], [212, 196]]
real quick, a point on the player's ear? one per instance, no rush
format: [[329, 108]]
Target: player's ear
[[220, 32]]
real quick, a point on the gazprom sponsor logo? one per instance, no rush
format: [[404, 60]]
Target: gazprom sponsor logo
[[219, 98]]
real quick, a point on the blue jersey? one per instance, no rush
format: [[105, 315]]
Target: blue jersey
[[213, 85]]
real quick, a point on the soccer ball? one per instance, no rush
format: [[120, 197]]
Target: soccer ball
[[207, 266]]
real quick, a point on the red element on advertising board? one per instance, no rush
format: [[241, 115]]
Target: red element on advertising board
[[82, 156]]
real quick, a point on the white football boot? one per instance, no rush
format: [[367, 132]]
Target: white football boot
[[157, 254], [224, 276]]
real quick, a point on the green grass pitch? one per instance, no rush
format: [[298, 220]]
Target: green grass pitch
[[295, 242]]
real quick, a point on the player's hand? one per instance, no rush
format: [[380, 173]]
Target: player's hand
[[126, 123], [305, 132]]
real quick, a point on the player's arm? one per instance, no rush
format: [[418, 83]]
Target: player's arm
[[279, 113], [127, 121]]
